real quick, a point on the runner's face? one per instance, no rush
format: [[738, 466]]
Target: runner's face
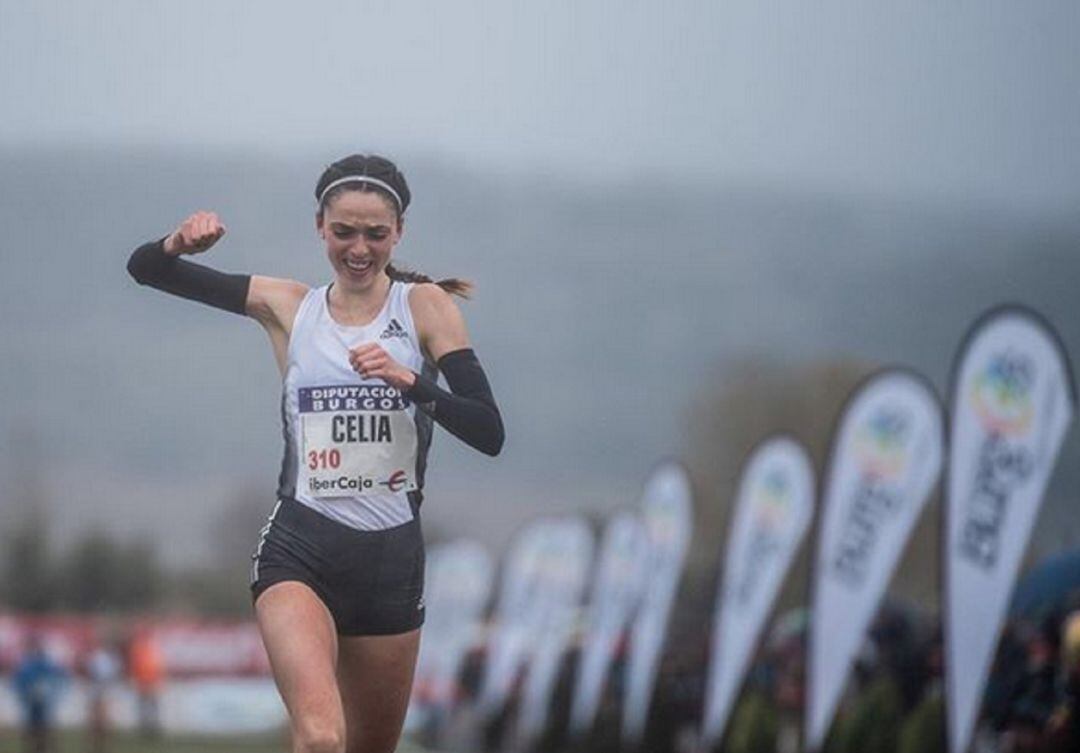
[[360, 229]]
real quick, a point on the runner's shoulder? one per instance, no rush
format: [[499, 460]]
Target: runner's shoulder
[[439, 322], [275, 300], [430, 299]]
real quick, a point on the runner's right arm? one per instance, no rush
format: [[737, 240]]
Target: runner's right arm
[[151, 265], [272, 302]]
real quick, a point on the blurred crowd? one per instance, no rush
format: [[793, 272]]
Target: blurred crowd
[[40, 678], [894, 702], [1033, 698]]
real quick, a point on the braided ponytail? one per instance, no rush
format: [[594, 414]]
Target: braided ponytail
[[452, 285]]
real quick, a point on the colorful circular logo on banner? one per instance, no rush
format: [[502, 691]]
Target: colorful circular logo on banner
[[772, 502], [1002, 394], [881, 444]]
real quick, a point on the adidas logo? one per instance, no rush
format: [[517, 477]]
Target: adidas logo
[[393, 329]]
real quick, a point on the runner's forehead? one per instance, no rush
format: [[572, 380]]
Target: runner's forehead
[[358, 224], [360, 206]]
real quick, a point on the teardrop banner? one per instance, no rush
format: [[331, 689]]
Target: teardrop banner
[[566, 561], [773, 509], [516, 621], [1012, 400], [457, 588], [667, 512], [616, 595], [885, 460]]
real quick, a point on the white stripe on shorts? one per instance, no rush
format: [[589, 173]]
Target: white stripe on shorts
[[262, 540]]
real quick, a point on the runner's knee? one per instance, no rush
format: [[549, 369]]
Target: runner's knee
[[318, 736]]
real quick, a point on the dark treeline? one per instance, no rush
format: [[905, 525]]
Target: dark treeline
[[101, 573]]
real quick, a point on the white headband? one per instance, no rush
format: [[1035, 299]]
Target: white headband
[[362, 179]]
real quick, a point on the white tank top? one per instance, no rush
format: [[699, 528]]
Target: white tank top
[[355, 449]]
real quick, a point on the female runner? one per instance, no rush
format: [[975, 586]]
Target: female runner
[[337, 576]]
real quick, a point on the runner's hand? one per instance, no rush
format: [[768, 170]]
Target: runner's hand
[[196, 234], [372, 362]]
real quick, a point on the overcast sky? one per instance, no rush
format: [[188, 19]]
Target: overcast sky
[[974, 101]]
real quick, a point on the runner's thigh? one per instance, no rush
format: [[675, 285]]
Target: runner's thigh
[[301, 641]]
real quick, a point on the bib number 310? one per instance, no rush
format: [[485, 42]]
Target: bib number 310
[[323, 459]]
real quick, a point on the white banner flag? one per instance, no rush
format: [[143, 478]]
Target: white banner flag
[[616, 593], [565, 562], [457, 587], [886, 457], [667, 512], [773, 509], [515, 627], [1012, 401]]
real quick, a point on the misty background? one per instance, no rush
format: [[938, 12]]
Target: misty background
[[675, 217]]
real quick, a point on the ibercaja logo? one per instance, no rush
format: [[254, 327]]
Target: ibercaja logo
[[1002, 394], [881, 444], [772, 501], [396, 482]]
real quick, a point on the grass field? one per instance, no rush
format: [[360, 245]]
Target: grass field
[[76, 742]]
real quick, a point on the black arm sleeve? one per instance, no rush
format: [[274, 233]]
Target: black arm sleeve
[[150, 265], [468, 411]]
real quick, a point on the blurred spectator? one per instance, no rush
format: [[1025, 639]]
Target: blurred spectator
[[147, 673], [102, 672], [1034, 702], [38, 681], [873, 724], [924, 729], [1063, 729], [755, 726], [1007, 676]]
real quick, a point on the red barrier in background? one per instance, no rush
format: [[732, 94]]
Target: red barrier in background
[[189, 648]]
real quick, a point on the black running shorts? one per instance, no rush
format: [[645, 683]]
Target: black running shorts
[[371, 581]]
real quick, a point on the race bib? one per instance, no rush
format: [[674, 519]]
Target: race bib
[[356, 439]]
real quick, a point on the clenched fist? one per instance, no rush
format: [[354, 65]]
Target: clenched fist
[[196, 234], [372, 362]]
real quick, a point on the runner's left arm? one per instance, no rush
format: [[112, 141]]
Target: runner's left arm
[[468, 410]]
